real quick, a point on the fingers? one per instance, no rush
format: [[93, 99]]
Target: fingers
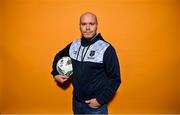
[[88, 101], [61, 78], [93, 103], [64, 77]]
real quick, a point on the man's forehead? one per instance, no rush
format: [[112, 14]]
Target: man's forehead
[[88, 16]]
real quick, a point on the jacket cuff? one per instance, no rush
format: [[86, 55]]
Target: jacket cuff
[[101, 100], [54, 74]]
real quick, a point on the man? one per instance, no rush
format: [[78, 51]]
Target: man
[[96, 72]]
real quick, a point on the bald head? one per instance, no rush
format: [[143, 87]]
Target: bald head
[[88, 25], [88, 14]]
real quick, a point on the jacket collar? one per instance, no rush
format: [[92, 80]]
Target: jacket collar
[[85, 42]]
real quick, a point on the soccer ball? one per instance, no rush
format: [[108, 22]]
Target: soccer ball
[[64, 66]]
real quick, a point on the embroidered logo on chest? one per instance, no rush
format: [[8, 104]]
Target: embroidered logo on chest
[[91, 54]]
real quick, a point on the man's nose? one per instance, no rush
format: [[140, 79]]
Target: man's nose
[[87, 27]]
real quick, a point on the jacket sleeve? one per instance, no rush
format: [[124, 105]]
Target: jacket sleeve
[[60, 54], [112, 69]]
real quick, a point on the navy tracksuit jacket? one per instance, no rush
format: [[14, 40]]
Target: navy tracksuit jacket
[[96, 71]]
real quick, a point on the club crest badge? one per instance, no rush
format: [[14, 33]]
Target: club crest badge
[[92, 53]]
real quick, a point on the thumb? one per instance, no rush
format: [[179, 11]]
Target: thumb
[[87, 101]]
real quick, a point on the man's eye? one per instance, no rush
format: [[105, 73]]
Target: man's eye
[[92, 23], [83, 24]]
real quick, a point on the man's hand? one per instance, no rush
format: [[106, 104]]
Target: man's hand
[[61, 79], [93, 103]]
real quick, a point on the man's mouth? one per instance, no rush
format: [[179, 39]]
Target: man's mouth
[[87, 32]]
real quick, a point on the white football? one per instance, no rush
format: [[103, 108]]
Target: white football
[[64, 66]]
